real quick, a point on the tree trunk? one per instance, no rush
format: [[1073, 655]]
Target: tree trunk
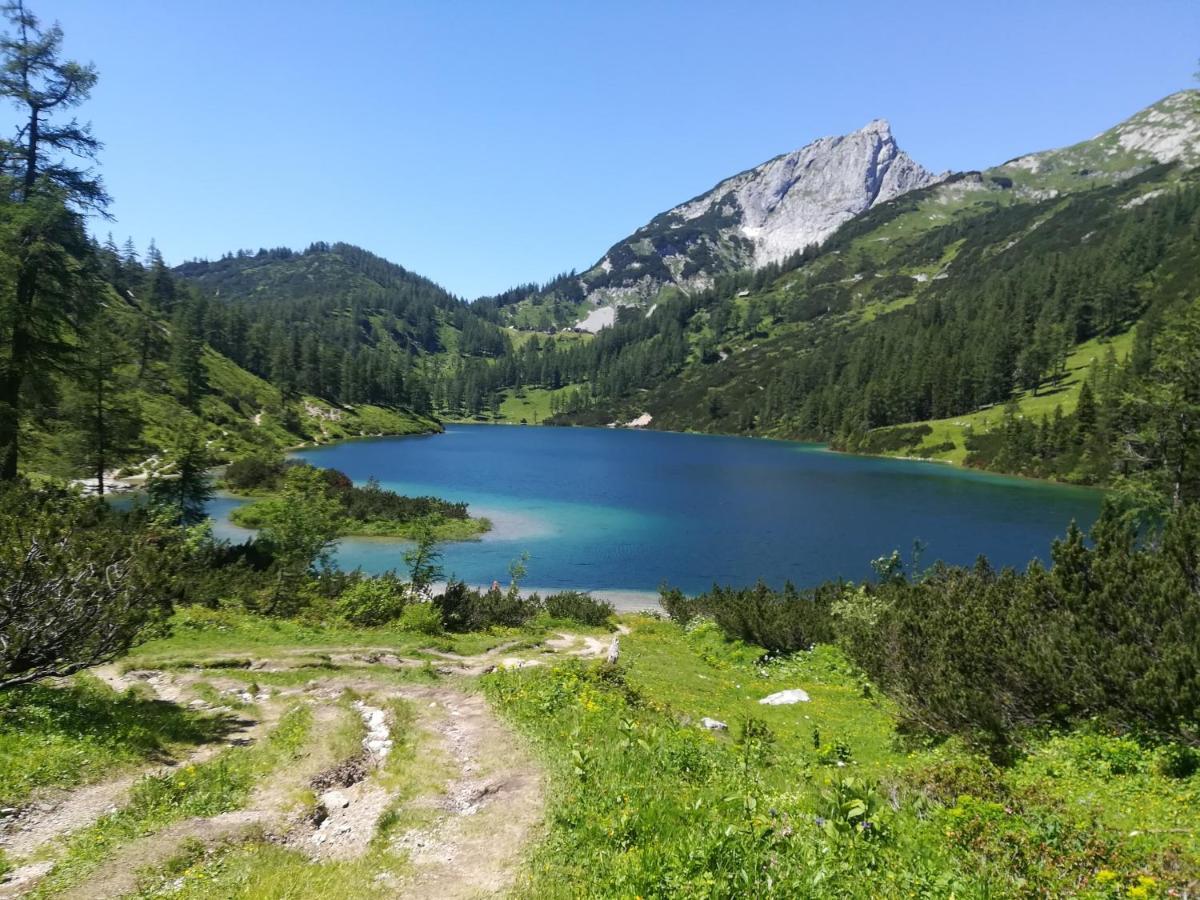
[[31, 147], [14, 376], [100, 435], [10, 423]]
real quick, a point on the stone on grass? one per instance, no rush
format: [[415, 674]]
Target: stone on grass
[[713, 724], [785, 698]]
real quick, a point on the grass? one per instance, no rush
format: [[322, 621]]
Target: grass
[[532, 406], [954, 430], [62, 736], [260, 869], [647, 803], [442, 528], [208, 789], [263, 871], [231, 639]]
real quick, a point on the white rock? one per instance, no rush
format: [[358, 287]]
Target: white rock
[[785, 698], [334, 800], [713, 724]]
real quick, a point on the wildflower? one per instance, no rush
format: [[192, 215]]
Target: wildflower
[[1147, 881], [1105, 875], [1138, 892], [820, 820]]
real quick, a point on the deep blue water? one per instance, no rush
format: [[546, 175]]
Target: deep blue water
[[616, 510]]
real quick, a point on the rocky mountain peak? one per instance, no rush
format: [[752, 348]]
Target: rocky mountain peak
[[1165, 132], [802, 197], [757, 217]]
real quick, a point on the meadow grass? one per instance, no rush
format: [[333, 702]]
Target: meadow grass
[[208, 789], [71, 734], [233, 639], [954, 430], [647, 803]]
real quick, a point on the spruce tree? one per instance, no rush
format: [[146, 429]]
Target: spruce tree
[[42, 190]]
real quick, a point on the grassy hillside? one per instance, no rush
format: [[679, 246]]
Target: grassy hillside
[[946, 439], [235, 411]]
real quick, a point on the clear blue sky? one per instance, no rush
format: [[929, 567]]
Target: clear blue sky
[[485, 143]]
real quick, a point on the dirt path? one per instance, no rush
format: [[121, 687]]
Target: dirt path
[[270, 805], [51, 815], [479, 794], [485, 815]]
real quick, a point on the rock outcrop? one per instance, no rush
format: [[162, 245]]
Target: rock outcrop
[[760, 216]]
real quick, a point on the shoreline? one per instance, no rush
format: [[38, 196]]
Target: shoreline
[[624, 600]]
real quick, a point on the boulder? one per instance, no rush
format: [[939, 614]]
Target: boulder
[[785, 698]]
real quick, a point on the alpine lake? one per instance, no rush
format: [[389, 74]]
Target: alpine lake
[[620, 512]]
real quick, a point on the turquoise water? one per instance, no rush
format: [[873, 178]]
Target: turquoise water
[[624, 511]]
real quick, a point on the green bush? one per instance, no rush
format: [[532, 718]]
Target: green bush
[[783, 621], [465, 609], [422, 617], [79, 581], [372, 601], [255, 473], [1178, 761], [1108, 631], [579, 607]]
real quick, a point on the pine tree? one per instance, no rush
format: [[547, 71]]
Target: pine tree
[[102, 413], [42, 235]]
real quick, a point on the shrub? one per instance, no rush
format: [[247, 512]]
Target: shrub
[[254, 473], [78, 581], [783, 621], [421, 617], [680, 608], [465, 609], [504, 608], [1108, 631], [579, 607], [372, 601], [1178, 761]]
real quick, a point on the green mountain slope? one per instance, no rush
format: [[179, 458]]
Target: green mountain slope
[[235, 411], [934, 319], [339, 322]]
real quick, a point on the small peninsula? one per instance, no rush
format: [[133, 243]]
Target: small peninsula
[[369, 510]]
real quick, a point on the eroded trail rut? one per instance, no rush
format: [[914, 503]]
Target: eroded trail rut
[[485, 813], [463, 795]]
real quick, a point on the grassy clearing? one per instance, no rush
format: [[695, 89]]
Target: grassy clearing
[[214, 787], [62, 736], [531, 406], [954, 430], [646, 803], [231, 639]]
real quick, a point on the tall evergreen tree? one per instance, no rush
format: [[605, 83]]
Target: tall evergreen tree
[[43, 188], [102, 415]]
